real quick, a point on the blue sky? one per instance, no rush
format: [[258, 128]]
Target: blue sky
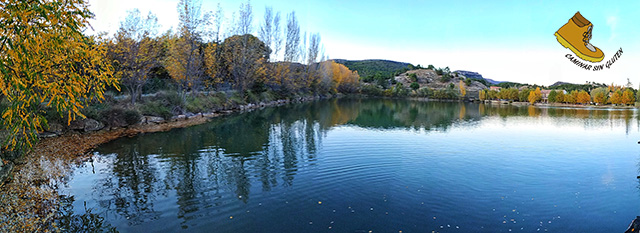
[[503, 40]]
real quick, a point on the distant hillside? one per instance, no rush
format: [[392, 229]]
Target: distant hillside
[[558, 83], [571, 86], [477, 76], [370, 67], [493, 81]]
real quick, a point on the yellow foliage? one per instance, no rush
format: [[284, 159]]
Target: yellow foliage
[[627, 97], [47, 60], [616, 97], [482, 95], [463, 90], [535, 96], [344, 80]]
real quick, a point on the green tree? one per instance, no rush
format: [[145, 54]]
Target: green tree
[[413, 77], [523, 96], [552, 96], [45, 60], [414, 86], [600, 95], [492, 94]]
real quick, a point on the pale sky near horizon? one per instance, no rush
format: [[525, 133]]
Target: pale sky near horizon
[[502, 40]]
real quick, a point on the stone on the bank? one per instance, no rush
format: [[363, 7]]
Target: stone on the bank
[[86, 124], [152, 119], [179, 117], [92, 125], [55, 128]]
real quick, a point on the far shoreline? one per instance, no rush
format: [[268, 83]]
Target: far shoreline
[[561, 105]]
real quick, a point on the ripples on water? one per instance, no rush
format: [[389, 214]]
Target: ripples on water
[[373, 165]]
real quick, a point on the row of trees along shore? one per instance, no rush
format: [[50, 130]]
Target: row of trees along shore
[[51, 67], [197, 58], [611, 94]]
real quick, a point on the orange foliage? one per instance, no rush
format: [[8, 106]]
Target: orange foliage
[[583, 97], [344, 80]]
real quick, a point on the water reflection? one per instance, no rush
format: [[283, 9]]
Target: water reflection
[[201, 167]]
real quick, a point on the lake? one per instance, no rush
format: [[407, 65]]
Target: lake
[[352, 165]]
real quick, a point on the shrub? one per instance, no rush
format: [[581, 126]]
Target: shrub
[[131, 116], [115, 117], [425, 92], [371, 90], [155, 108], [445, 78], [413, 77], [415, 86], [251, 97]]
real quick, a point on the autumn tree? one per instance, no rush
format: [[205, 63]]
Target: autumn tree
[[600, 95], [482, 95], [463, 90], [616, 97], [344, 80], [135, 51], [186, 57], [638, 94], [627, 96], [571, 97], [535, 96], [243, 61], [560, 98], [46, 61], [583, 97]]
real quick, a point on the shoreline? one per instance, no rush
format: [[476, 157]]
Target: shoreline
[[29, 194], [562, 105]]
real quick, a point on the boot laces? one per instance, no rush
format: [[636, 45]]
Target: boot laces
[[586, 36]]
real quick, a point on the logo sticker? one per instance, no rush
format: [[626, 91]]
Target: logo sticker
[[576, 35]]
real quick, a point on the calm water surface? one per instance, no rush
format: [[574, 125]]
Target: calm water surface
[[372, 165]]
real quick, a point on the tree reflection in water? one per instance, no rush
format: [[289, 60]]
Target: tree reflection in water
[[197, 166]]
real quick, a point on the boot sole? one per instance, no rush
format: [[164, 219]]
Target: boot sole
[[566, 44]]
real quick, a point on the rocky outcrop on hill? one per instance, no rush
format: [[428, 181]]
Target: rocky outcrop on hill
[[429, 78]]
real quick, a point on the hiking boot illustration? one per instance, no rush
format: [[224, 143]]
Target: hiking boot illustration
[[575, 35]]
